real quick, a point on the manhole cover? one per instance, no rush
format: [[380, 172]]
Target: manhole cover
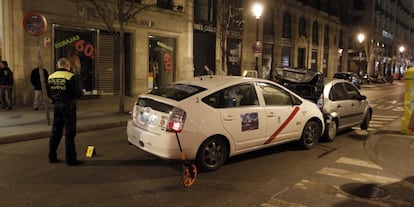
[[365, 190]]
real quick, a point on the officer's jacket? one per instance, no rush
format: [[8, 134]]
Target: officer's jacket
[[63, 86]]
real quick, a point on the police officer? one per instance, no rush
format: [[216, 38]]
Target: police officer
[[63, 89]]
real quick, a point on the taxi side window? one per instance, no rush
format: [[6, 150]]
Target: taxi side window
[[275, 96], [234, 96]]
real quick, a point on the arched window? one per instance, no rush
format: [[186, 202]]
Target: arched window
[[286, 30]]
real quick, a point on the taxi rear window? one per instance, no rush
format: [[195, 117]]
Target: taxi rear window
[[177, 92]]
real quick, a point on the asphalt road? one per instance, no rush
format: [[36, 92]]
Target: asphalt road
[[121, 175]]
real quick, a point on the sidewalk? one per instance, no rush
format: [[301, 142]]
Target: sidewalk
[[23, 123]]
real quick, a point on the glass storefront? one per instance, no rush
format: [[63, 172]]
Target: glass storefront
[[267, 60], [234, 56], [161, 70], [79, 47]]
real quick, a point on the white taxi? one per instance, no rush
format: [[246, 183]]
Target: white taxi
[[217, 117]]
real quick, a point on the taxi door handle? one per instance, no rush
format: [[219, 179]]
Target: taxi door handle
[[228, 118], [271, 114]]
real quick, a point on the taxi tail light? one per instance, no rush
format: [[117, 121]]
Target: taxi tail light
[[176, 120]]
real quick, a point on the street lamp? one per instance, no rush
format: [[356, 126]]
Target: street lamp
[[401, 49], [361, 38], [257, 12], [402, 65]]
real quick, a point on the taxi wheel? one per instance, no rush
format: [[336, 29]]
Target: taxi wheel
[[310, 135], [330, 131], [212, 154]]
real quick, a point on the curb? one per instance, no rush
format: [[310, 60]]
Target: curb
[[46, 133]]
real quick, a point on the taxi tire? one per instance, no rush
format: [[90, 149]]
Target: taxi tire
[[212, 154], [310, 135]]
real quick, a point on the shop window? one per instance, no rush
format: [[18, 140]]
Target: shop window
[[234, 51], [267, 60], [161, 70], [301, 57], [285, 56], [79, 47]]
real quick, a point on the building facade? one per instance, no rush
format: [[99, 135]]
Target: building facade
[[388, 27], [171, 40], [288, 33], [158, 45]]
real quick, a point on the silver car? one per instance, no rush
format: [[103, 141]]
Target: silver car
[[344, 107]]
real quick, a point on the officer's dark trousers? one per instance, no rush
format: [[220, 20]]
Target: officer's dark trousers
[[64, 117]]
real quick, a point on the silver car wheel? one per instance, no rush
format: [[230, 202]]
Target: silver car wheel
[[331, 131]]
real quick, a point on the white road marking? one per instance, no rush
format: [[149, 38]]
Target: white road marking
[[357, 162], [361, 177], [276, 202]]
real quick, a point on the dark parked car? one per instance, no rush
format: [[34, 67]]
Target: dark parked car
[[306, 83], [349, 76]]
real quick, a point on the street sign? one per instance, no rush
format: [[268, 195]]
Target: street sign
[[257, 47], [35, 24]]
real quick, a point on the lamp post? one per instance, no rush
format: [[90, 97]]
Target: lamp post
[[361, 38], [402, 65], [257, 12]]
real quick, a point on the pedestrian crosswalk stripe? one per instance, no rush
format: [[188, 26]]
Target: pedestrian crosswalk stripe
[[358, 162], [378, 122], [361, 177], [384, 116], [382, 119], [276, 202], [376, 125]]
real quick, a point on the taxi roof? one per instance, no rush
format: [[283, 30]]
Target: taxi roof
[[213, 81]]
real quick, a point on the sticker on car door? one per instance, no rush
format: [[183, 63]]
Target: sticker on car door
[[249, 121]]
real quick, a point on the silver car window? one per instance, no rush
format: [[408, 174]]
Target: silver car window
[[351, 91], [338, 92]]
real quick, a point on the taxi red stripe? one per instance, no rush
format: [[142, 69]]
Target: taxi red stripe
[[284, 124]]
